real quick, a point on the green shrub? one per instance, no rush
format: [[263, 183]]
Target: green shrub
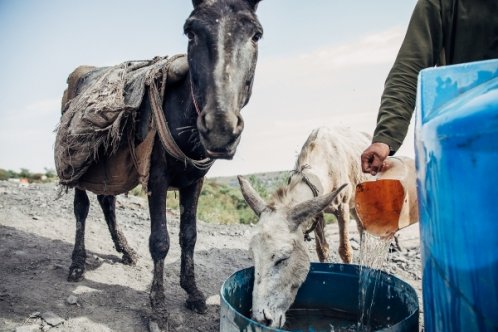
[[48, 176], [220, 202], [4, 174]]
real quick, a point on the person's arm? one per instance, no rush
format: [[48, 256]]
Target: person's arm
[[420, 49]]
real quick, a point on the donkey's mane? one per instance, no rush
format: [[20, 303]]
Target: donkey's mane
[[282, 196]]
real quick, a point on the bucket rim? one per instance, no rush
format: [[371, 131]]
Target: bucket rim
[[318, 267]]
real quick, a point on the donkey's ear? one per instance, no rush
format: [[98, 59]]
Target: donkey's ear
[[197, 2], [255, 202], [304, 211], [253, 3]]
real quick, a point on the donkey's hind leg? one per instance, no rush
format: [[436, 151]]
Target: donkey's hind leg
[[108, 205], [343, 218], [322, 246], [81, 207]]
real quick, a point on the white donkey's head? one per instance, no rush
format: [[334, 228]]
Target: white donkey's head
[[281, 261]]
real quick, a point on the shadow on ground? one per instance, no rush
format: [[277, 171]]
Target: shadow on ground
[[33, 272]]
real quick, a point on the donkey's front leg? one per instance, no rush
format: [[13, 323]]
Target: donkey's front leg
[[321, 244], [158, 245], [189, 197]]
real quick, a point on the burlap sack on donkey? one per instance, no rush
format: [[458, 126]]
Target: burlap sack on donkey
[[96, 147]]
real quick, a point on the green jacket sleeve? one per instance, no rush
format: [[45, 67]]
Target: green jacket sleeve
[[420, 49]]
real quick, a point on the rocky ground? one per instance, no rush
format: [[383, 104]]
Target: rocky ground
[[36, 241]]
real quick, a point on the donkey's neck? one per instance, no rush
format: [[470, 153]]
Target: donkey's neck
[[178, 105], [181, 116]]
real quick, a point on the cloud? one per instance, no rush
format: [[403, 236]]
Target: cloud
[[372, 49], [340, 78]]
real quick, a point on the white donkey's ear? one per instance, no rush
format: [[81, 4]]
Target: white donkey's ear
[[305, 210], [255, 202]]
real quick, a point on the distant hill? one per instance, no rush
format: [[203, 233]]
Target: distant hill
[[221, 200], [270, 179]]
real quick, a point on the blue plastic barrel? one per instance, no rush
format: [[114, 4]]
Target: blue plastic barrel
[[456, 141]]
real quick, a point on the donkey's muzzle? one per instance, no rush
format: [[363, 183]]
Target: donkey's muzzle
[[220, 133], [263, 317]]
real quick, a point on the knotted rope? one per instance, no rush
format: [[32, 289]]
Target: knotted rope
[[314, 190]]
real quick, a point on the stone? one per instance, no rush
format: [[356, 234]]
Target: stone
[[51, 318], [71, 299], [213, 300], [154, 327], [35, 314]]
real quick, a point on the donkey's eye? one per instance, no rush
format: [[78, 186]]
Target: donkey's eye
[[280, 261], [190, 35], [257, 36]]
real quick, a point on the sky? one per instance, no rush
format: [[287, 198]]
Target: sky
[[321, 63]]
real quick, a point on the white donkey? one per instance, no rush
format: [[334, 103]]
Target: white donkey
[[328, 161]]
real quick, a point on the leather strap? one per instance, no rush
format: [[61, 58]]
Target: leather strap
[[161, 124]]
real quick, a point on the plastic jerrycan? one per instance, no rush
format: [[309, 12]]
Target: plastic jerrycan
[[388, 202], [456, 141]]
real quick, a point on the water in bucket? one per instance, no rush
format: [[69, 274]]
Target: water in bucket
[[456, 136], [329, 289]]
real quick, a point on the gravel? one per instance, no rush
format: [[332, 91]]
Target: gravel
[[37, 238]]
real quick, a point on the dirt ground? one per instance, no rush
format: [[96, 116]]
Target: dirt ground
[[36, 241]]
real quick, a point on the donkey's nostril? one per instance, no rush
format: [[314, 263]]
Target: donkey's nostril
[[203, 123], [240, 125], [268, 320]]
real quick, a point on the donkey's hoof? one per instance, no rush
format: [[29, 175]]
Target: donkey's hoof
[[129, 258], [197, 305], [75, 274], [346, 253], [154, 326], [159, 319]]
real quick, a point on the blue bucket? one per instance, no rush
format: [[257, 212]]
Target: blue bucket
[[456, 138], [327, 286]]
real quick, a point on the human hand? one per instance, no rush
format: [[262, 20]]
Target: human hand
[[372, 159]]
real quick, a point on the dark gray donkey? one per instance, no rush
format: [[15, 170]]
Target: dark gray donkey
[[202, 113]]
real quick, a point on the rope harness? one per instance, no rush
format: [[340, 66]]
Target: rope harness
[[161, 124], [313, 189]]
